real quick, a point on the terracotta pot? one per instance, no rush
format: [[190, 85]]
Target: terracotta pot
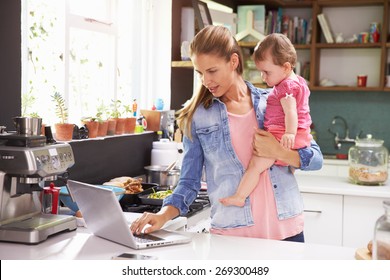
[[43, 129], [130, 124], [120, 126], [111, 127], [102, 128], [93, 127], [64, 131]]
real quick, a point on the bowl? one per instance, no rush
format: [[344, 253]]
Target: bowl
[[68, 202]]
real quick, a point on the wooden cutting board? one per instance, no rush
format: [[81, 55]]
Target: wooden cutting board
[[363, 254]]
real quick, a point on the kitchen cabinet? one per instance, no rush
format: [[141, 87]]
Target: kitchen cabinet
[[359, 217], [323, 222], [341, 220], [338, 62], [338, 212]]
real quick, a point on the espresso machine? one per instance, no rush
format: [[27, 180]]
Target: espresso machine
[[26, 163]]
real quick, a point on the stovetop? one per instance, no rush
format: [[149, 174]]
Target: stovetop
[[199, 204]]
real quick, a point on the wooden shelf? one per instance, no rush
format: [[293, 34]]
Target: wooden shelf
[[345, 88], [317, 50], [348, 45], [185, 64], [244, 44]]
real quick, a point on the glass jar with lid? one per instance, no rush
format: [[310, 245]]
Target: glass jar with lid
[[368, 161], [381, 241]]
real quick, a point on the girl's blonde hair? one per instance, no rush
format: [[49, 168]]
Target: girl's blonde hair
[[281, 48], [211, 40]]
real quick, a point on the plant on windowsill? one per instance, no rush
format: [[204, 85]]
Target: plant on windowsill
[[116, 116], [28, 100], [102, 116], [64, 130], [92, 124], [130, 120]]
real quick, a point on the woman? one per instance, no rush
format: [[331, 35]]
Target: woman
[[218, 133]]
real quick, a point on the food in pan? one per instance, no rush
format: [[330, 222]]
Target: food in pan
[[160, 194], [131, 185]]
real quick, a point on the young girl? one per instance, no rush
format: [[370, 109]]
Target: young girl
[[287, 115]]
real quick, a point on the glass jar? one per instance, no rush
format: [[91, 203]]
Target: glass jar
[[381, 241], [368, 161]]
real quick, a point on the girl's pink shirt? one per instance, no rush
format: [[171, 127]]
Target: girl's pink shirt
[[266, 223]]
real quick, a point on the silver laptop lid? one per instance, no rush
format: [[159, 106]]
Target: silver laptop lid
[[102, 212]]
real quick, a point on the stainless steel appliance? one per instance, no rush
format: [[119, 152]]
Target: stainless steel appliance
[[26, 162]]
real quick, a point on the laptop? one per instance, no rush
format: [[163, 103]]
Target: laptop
[[104, 217]]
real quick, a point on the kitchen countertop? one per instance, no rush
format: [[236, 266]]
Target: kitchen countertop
[[80, 244], [339, 185]]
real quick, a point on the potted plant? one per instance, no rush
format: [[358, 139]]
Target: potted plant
[[116, 115], [92, 124], [64, 130], [101, 115], [130, 120]]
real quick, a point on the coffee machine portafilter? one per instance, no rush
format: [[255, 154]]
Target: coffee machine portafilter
[[23, 173]]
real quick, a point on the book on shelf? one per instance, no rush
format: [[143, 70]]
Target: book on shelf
[[297, 29], [325, 28]]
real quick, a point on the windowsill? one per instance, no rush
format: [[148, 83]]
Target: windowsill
[[108, 137]]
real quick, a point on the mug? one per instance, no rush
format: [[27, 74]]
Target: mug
[[362, 80]]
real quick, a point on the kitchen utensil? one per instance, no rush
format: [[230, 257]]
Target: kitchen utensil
[[128, 199], [145, 199], [157, 174], [171, 166], [28, 126]]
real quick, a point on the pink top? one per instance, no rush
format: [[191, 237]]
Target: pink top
[[274, 115], [267, 225]]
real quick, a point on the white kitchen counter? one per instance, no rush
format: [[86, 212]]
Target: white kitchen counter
[[339, 185], [332, 178], [80, 244]]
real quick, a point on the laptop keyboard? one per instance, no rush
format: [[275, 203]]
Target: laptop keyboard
[[146, 238]]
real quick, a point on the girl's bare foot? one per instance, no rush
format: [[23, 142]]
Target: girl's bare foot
[[233, 200]]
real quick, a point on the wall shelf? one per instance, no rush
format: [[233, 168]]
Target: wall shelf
[[185, 64]]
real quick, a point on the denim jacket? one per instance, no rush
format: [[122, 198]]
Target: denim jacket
[[211, 147]]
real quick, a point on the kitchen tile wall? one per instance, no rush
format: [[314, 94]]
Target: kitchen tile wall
[[366, 111]]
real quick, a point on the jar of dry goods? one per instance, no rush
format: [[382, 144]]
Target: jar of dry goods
[[368, 161], [381, 241]]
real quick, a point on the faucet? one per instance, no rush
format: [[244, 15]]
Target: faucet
[[337, 140]]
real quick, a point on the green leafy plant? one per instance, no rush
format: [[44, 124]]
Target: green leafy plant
[[128, 110], [28, 100], [102, 112], [61, 110], [115, 108], [34, 115], [89, 119]]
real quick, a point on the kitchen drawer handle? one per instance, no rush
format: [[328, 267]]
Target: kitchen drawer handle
[[313, 211]]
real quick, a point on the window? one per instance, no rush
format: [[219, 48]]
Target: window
[[93, 52]]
